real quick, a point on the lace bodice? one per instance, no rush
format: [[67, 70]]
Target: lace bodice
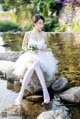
[[32, 38], [40, 43]]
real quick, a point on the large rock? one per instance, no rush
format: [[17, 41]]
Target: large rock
[[58, 110], [14, 110], [71, 95], [55, 114], [60, 84], [35, 98], [5, 65], [17, 86], [7, 68], [34, 85], [10, 76], [10, 56], [69, 14], [10, 85]]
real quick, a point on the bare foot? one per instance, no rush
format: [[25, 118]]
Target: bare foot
[[46, 103], [17, 101]]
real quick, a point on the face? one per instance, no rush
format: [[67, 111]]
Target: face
[[39, 25]]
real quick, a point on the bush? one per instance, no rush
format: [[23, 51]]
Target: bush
[[50, 24], [61, 28], [9, 26], [75, 26], [28, 27]]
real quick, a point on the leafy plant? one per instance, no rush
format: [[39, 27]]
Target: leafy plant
[[32, 47], [27, 27], [50, 24], [9, 26], [75, 26], [61, 28]]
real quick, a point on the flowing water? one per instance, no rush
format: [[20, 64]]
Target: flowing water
[[7, 97], [65, 47]]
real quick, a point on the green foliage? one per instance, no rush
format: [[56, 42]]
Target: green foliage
[[25, 9], [61, 28], [28, 27], [14, 41], [8, 26], [5, 7], [14, 4], [75, 26], [32, 47], [44, 6], [50, 24], [68, 6], [17, 6]]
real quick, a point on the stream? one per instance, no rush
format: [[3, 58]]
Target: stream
[[69, 68]]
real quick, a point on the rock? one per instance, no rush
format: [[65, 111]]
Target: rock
[[17, 86], [7, 68], [58, 110], [10, 76], [68, 14], [4, 66], [32, 109], [60, 84], [10, 85], [34, 85], [2, 75], [35, 98], [10, 56], [55, 114], [71, 95], [27, 93], [14, 110]]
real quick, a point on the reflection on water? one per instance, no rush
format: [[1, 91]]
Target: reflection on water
[[12, 41], [2, 44], [66, 47]]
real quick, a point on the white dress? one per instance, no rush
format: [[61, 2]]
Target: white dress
[[47, 60]]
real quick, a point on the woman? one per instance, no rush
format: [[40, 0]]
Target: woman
[[37, 58]]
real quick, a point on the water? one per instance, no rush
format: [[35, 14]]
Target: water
[[65, 47], [7, 97]]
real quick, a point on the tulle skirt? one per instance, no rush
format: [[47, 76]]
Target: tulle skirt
[[48, 63]]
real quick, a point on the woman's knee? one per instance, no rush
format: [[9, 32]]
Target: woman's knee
[[29, 64], [36, 64]]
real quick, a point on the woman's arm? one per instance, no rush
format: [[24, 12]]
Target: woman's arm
[[45, 44], [25, 41]]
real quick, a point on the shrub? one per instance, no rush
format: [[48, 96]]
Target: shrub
[[61, 28], [8, 26], [27, 27], [50, 24], [75, 26]]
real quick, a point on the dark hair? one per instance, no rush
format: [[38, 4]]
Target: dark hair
[[36, 18]]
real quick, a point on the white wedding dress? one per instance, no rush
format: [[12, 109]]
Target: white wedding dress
[[41, 62], [47, 60]]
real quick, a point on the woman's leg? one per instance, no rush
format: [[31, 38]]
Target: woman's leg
[[39, 73], [35, 66], [26, 80]]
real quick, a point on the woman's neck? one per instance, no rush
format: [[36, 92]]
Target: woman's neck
[[36, 30]]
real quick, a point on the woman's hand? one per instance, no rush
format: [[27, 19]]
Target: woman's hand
[[44, 49], [35, 51]]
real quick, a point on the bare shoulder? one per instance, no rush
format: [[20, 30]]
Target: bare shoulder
[[44, 34], [27, 32]]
